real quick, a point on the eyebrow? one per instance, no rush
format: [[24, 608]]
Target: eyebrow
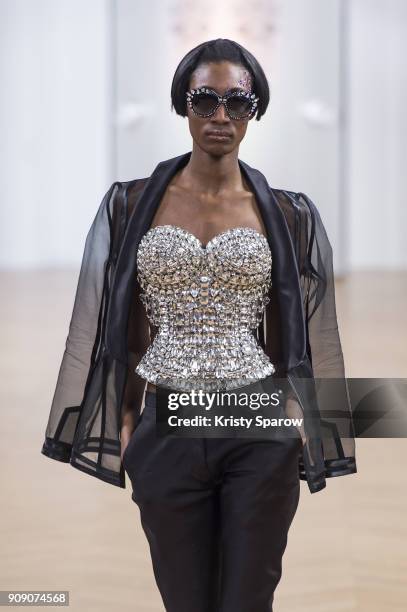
[[232, 89]]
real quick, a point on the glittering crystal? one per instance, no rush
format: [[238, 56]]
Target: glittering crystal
[[206, 302]]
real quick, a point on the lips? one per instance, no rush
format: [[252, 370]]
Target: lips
[[220, 134]]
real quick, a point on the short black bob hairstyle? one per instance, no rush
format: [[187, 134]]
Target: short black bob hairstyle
[[218, 50]]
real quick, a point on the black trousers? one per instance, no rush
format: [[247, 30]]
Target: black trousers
[[216, 513]]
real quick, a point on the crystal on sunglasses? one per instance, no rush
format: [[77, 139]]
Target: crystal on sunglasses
[[204, 102]]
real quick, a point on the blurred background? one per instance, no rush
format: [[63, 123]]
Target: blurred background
[[86, 101]]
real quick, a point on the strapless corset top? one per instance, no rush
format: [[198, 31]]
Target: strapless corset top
[[206, 302]]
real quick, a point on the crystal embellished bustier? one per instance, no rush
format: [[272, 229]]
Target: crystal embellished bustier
[[206, 301]]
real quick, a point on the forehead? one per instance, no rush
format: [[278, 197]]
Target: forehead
[[221, 76]]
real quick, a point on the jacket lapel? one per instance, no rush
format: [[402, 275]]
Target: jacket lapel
[[284, 272], [126, 267]]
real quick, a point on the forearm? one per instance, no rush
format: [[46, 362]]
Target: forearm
[[293, 410], [131, 406]]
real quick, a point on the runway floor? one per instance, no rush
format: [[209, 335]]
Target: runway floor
[[64, 530]]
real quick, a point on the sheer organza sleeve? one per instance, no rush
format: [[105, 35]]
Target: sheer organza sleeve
[[83, 341], [324, 347], [316, 389]]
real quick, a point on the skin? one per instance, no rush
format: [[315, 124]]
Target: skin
[[206, 197], [209, 194], [202, 197], [213, 166]]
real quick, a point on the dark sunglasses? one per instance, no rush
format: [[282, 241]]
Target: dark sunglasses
[[204, 102]]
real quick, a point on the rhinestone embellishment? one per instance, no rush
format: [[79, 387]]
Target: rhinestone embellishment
[[206, 301], [241, 94]]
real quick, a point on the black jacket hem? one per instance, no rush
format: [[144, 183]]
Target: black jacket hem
[[60, 451], [101, 475], [333, 468]]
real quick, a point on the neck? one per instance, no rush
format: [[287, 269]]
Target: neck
[[213, 175]]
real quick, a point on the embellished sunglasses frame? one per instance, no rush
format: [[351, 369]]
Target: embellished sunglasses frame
[[223, 100]]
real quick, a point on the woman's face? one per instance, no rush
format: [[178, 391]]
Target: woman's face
[[221, 77]]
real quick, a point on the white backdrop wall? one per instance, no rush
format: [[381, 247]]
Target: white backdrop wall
[[378, 134], [55, 127], [296, 143], [85, 101]]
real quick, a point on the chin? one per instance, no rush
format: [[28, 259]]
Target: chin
[[218, 148]]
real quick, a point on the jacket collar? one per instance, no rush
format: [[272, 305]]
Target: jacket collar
[[285, 274]]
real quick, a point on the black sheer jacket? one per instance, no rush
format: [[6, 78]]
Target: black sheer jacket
[[103, 343]]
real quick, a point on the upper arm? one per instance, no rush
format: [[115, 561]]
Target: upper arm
[[138, 336], [318, 281], [138, 341], [273, 345]]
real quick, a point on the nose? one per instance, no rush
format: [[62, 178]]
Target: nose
[[221, 115]]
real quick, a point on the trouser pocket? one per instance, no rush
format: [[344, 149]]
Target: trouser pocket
[[145, 422]]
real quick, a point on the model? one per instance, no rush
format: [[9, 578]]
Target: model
[[203, 276]]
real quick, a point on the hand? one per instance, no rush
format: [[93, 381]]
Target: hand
[[294, 411], [125, 438]]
